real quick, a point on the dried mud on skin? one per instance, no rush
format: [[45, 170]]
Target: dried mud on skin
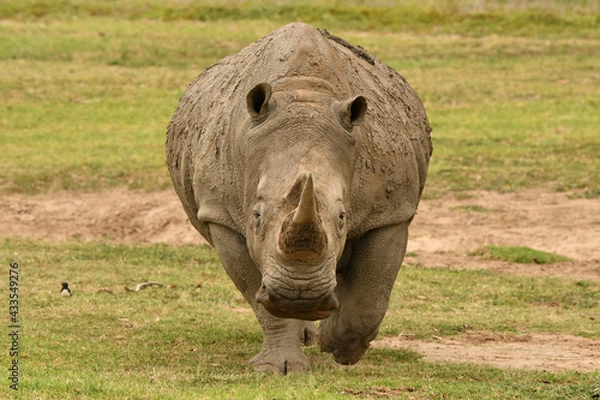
[[442, 235]]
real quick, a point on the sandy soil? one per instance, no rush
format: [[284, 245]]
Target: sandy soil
[[442, 234], [116, 215], [445, 230], [532, 351]]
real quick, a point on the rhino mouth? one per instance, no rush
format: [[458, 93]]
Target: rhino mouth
[[283, 307]]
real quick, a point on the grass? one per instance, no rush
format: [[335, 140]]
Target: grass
[[521, 255], [188, 342], [462, 16], [471, 208], [88, 94]]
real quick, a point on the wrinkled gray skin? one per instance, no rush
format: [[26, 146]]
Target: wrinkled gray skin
[[302, 159]]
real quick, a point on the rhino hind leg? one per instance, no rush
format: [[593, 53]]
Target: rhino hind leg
[[364, 288], [283, 338]]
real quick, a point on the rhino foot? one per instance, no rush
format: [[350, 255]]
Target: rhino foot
[[280, 362], [286, 359], [347, 350], [346, 355]]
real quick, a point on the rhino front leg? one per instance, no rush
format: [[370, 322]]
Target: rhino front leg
[[281, 351], [364, 287]]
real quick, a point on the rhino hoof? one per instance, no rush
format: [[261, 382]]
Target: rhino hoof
[[345, 353], [347, 359], [280, 366]]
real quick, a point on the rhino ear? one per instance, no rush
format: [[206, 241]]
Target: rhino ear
[[257, 101], [351, 112]]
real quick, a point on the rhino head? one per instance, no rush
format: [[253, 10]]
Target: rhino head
[[300, 154]]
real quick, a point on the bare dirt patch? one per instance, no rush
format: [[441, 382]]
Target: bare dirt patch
[[116, 215], [442, 235], [532, 351], [446, 230]]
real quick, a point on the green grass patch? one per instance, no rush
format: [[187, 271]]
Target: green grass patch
[[472, 208], [433, 301], [586, 194], [521, 255], [185, 341], [446, 16], [89, 87]]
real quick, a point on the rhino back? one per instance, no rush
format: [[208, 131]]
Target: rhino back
[[205, 139]]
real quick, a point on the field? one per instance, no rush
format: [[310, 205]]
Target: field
[[499, 296]]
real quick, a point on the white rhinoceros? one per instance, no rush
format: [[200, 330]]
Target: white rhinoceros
[[302, 159]]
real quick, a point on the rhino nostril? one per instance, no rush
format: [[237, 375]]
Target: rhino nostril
[[262, 296], [333, 303]]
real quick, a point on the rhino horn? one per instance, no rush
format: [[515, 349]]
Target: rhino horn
[[306, 213], [303, 231]]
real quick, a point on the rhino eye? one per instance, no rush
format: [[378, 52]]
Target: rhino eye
[[341, 219], [256, 215]]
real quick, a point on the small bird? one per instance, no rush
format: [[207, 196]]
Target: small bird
[[65, 291]]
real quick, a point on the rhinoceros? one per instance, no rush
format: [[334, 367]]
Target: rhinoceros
[[301, 159]]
